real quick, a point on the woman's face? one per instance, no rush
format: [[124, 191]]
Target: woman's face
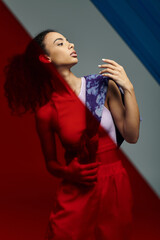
[[59, 50]]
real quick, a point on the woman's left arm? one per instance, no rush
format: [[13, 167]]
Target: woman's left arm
[[127, 116]]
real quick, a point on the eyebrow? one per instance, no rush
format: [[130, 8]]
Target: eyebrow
[[59, 39]]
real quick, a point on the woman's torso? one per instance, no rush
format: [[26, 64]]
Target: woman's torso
[[69, 121]]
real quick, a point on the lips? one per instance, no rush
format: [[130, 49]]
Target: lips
[[74, 54]]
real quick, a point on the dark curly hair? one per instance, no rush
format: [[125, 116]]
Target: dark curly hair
[[28, 82]]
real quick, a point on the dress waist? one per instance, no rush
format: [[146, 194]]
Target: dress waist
[[104, 154], [108, 156]]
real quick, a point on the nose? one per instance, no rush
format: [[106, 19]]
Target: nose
[[71, 45]]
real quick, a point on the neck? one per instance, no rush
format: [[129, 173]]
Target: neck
[[70, 78]]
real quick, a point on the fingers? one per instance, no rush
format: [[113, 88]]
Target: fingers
[[89, 178], [88, 183], [107, 70], [111, 76], [107, 66], [111, 62], [91, 172], [87, 173], [89, 166]]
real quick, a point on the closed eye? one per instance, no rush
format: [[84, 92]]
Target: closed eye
[[59, 44]]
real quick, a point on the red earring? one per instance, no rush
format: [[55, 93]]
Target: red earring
[[43, 59]]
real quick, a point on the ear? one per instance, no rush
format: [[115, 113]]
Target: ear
[[44, 58]]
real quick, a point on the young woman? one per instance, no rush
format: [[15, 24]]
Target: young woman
[[94, 200]]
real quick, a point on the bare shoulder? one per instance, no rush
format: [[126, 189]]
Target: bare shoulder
[[46, 117], [44, 113]]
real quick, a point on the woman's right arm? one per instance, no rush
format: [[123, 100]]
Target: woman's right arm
[[48, 143], [74, 172]]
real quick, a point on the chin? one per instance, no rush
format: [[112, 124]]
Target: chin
[[75, 62]]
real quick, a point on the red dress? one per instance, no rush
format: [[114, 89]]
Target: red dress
[[99, 212]]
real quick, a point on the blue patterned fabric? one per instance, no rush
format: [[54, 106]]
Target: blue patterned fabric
[[96, 90]]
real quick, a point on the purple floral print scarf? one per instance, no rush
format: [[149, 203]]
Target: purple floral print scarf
[[96, 90]]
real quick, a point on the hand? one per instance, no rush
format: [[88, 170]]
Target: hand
[[82, 173], [116, 72]]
